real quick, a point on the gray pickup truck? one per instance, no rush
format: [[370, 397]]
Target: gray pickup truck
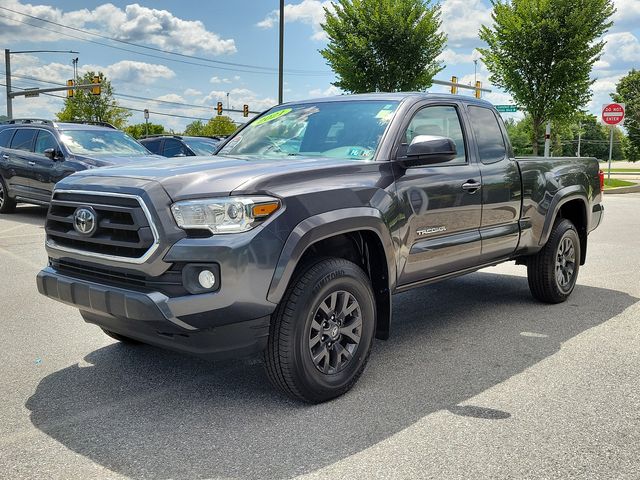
[[293, 238]]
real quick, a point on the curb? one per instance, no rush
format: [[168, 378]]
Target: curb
[[630, 189]]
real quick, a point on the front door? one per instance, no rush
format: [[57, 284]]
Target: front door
[[442, 214]]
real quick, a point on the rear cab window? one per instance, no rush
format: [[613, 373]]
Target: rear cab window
[[23, 139], [491, 146], [153, 146]]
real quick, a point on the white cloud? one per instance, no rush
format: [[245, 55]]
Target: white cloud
[[132, 72], [238, 97], [171, 97], [462, 19], [192, 92], [133, 23], [621, 48], [310, 12], [627, 14], [219, 80], [331, 91], [452, 57]]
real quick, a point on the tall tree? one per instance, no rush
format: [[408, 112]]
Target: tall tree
[[141, 129], [218, 125], [542, 52], [628, 92], [84, 106], [383, 45]]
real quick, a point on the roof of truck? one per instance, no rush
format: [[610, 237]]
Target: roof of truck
[[395, 96]]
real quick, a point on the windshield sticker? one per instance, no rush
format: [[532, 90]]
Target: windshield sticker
[[272, 116], [359, 152], [385, 113]]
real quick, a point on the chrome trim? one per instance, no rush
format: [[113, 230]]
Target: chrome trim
[[115, 258]]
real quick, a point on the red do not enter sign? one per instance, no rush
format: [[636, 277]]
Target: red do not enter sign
[[613, 113]]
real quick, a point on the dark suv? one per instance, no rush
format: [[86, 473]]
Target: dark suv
[[180, 145], [35, 154]]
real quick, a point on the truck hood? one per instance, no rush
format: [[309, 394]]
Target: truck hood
[[211, 176], [108, 161]]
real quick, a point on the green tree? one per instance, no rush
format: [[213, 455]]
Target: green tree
[[383, 45], [218, 125], [84, 106], [628, 92], [542, 52], [141, 129]]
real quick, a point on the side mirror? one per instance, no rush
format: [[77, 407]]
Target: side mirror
[[429, 149], [53, 154]]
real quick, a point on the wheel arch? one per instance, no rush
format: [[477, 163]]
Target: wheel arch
[[356, 234]]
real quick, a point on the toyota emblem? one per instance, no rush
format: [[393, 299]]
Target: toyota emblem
[[85, 221]]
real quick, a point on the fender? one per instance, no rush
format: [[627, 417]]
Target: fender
[[562, 196], [325, 225]]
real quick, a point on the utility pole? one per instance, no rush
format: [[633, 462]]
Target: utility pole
[[281, 58], [547, 139], [146, 121], [475, 70], [228, 107], [75, 69], [579, 136], [7, 69]]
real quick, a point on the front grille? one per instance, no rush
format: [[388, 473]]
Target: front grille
[[169, 283], [124, 230]]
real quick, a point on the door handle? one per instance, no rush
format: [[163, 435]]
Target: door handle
[[5, 156], [32, 163], [471, 186]]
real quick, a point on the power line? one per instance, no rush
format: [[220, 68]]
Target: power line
[[262, 69]]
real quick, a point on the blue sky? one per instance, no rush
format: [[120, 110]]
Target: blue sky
[[241, 32]]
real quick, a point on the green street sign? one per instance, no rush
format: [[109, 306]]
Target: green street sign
[[506, 108]]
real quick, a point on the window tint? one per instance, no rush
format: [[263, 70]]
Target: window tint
[[5, 136], [153, 146], [173, 148], [23, 139], [488, 135], [440, 121], [45, 140]]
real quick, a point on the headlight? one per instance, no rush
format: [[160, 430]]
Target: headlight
[[224, 215]]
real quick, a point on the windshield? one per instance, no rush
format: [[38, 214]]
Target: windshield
[[101, 142], [201, 146], [349, 130]]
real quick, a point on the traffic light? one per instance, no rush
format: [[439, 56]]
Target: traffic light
[[96, 90], [478, 87], [454, 88], [245, 110], [70, 83], [219, 108]]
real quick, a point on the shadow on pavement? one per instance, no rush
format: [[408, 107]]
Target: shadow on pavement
[[28, 214], [144, 412]]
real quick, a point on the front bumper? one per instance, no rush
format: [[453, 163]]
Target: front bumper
[[151, 317]]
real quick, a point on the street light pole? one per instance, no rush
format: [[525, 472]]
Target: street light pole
[[281, 59], [7, 69]]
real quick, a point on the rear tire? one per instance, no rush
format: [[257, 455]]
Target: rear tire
[[7, 204], [553, 271], [121, 338], [322, 332]]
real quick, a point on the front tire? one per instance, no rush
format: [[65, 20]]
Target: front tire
[[7, 204], [553, 271], [322, 332]]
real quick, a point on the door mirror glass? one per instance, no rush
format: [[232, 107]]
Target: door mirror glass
[[429, 149]]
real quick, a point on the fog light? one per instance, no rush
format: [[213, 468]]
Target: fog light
[[206, 279]]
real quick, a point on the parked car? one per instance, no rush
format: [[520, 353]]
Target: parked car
[[180, 145], [36, 153], [293, 239]]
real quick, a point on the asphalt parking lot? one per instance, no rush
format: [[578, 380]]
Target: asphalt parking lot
[[477, 381]]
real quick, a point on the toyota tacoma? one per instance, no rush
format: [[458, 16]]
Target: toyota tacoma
[[293, 238]]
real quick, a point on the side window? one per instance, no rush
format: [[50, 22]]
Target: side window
[[440, 121], [5, 137], [488, 135], [45, 140], [23, 139], [173, 148], [153, 146]]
